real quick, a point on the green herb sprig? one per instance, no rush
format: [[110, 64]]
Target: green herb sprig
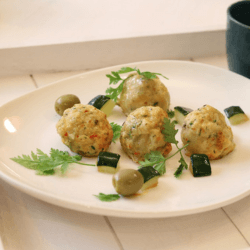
[[157, 160], [115, 78], [116, 131], [45, 164], [170, 132], [107, 197], [171, 114]]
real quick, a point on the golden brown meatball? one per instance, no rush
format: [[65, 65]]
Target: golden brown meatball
[[141, 133], [207, 133], [85, 130], [138, 91]]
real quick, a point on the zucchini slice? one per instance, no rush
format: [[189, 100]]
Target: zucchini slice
[[181, 113], [200, 165], [235, 115], [107, 162], [104, 103], [150, 176]]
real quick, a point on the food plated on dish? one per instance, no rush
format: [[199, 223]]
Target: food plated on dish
[[163, 188], [146, 135]]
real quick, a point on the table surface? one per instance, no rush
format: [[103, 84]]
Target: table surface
[[27, 223], [33, 23]]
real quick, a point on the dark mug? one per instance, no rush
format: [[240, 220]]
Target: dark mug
[[238, 38]]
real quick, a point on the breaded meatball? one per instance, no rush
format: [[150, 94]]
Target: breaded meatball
[[85, 130], [138, 91], [141, 133], [207, 133]]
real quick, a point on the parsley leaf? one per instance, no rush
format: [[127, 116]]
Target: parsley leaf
[[171, 114], [179, 170], [113, 93], [157, 160], [150, 75], [45, 164], [116, 131], [107, 197], [115, 77], [169, 131]]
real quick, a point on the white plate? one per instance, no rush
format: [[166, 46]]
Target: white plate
[[190, 84]]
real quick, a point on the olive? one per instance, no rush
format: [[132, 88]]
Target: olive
[[127, 181], [64, 102]]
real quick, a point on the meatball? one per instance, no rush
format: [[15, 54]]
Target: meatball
[[141, 133], [206, 132], [139, 91], [85, 130]]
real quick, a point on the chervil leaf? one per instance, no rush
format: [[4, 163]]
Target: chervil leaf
[[45, 172], [64, 167], [116, 131], [160, 167], [171, 114], [150, 75], [115, 78], [113, 93], [107, 197], [156, 160], [183, 165], [179, 170], [169, 131], [45, 164], [126, 70]]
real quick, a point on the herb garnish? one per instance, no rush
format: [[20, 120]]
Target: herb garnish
[[171, 114], [170, 132], [157, 160], [45, 164], [107, 197], [115, 77], [116, 131]]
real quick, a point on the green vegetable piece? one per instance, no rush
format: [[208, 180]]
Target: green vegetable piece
[[107, 197], [103, 103], [235, 115], [64, 102], [108, 162], [45, 164], [150, 176], [200, 165], [127, 181], [181, 113]]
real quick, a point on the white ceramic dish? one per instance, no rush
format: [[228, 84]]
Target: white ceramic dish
[[33, 121]]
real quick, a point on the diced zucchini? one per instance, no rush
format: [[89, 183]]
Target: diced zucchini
[[181, 113], [200, 165], [150, 176], [235, 115], [104, 103], [107, 162]]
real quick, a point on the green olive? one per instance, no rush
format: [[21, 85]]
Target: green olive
[[127, 181], [65, 102]]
